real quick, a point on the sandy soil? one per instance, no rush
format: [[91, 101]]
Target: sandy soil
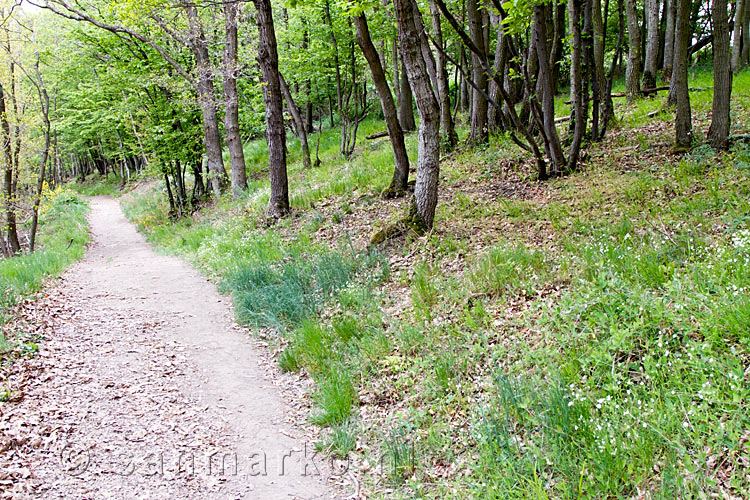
[[145, 388]]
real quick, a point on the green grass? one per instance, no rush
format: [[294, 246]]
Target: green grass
[[61, 240], [582, 338], [96, 185]]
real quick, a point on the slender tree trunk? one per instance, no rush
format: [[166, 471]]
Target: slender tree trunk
[[576, 83], [463, 91], [671, 7], [493, 113], [10, 195], [650, 65], [299, 123], [275, 134], [231, 114], [44, 101], [406, 104], [599, 42], [396, 135], [593, 67], [548, 95], [199, 47], [633, 69], [478, 131], [683, 120], [428, 163], [718, 133], [446, 118], [739, 15], [745, 54]]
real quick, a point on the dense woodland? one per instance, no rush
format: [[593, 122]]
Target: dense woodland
[[507, 243], [125, 87]]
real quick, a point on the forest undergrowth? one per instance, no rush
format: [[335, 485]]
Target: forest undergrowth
[[63, 238], [583, 337]]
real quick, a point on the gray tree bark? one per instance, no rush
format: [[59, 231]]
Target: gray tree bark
[[548, 94], [718, 132], [428, 162], [669, 37], [650, 66], [737, 35], [275, 133], [406, 103], [683, 120], [633, 69], [206, 96], [231, 102], [576, 82], [443, 90], [478, 131]]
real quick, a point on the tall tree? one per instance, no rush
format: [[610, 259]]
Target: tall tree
[[206, 95], [268, 59], [428, 161], [396, 135], [650, 63], [231, 101], [548, 94], [718, 133], [683, 120], [577, 90], [443, 89], [671, 6], [633, 69], [8, 191], [478, 131]]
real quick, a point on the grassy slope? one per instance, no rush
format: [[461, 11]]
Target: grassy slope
[[586, 337], [62, 239]]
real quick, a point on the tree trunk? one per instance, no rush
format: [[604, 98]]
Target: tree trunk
[[718, 133], [593, 67], [683, 120], [428, 163], [478, 133], [650, 66], [44, 104], [299, 123], [633, 69], [669, 37], [576, 82], [396, 135], [739, 15], [10, 195], [548, 95], [463, 90], [558, 43], [199, 47], [745, 54], [405, 104], [443, 89], [275, 134], [231, 114], [494, 115]]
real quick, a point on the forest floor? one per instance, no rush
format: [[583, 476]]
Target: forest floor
[[583, 337], [144, 388]]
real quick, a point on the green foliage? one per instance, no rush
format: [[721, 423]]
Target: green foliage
[[62, 240], [509, 269], [335, 398], [284, 294]]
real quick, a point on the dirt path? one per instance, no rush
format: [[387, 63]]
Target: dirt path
[[143, 387]]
